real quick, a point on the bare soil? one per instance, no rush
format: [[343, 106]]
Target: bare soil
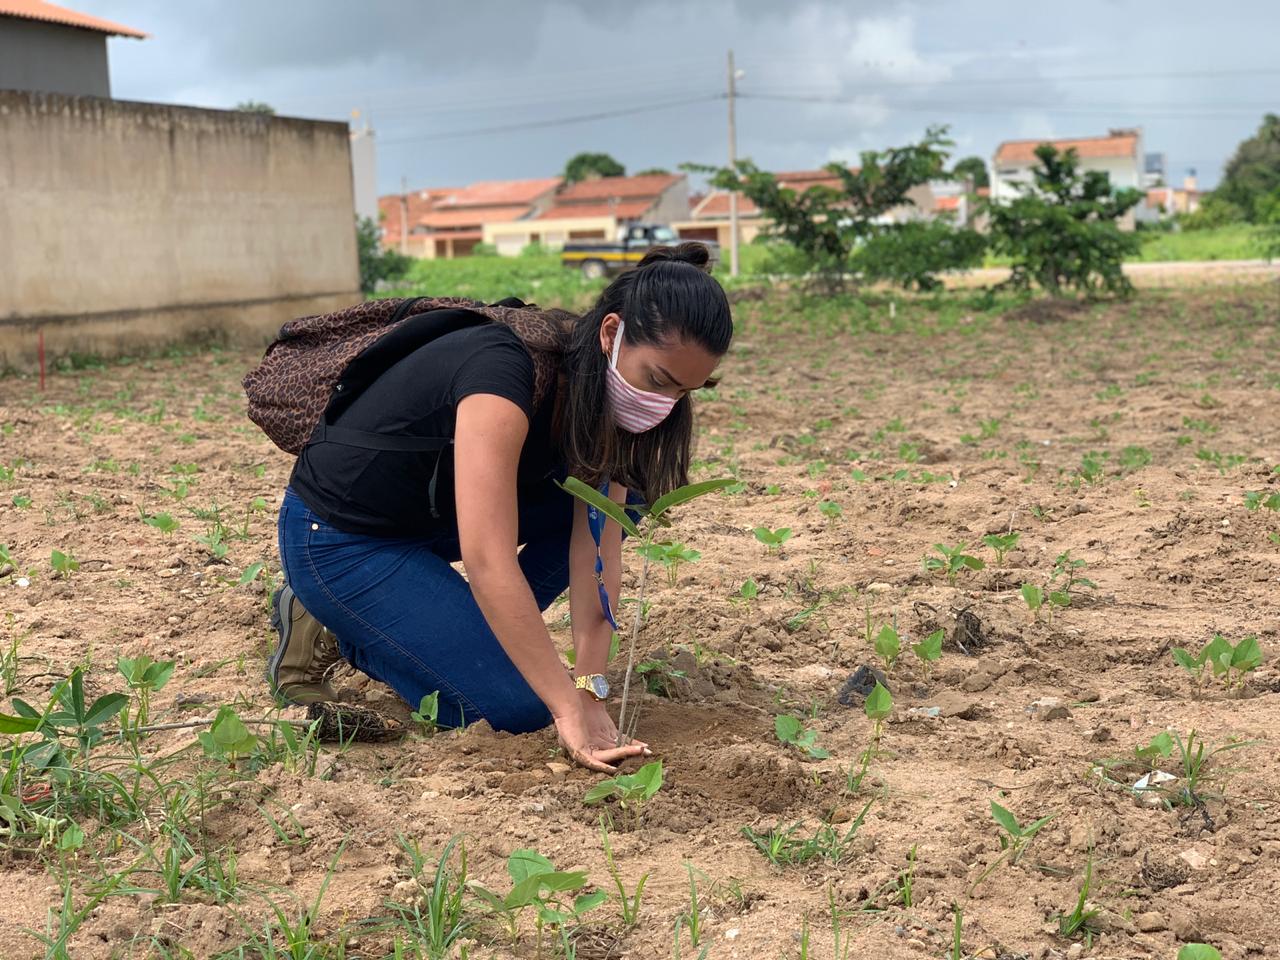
[[941, 424]]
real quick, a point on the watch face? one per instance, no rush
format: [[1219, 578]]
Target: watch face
[[600, 687]]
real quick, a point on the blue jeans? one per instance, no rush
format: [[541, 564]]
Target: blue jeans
[[405, 617]]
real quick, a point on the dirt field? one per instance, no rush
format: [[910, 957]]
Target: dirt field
[[1126, 435]]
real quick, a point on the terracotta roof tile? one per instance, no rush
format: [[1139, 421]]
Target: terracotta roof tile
[[51, 13], [602, 188], [445, 216], [716, 204], [499, 192], [1113, 145], [622, 210]]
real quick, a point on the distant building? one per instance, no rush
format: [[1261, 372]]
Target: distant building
[[50, 49], [709, 219], [1154, 170], [364, 173], [450, 222], [1165, 201], [595, 209], [1118, 154]]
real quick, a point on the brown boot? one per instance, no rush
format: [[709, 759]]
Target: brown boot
[[298, 668]]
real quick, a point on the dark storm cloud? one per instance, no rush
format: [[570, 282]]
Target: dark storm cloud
[[855, 75]]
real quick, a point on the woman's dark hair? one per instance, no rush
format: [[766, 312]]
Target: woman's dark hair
[[669, 297]]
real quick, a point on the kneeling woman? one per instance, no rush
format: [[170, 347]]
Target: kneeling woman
[[367, 536]]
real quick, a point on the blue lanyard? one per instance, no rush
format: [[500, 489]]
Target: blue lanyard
[[595, 522]]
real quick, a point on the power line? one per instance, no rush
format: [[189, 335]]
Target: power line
[[1052, 78], [1173, 111], [556, 121]]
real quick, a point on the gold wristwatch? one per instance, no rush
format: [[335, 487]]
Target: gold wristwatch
[[595, 684]]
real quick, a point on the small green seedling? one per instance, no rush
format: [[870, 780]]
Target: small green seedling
[[537, 883], [64, 564], [1160, 747], [632, 790], [831, 510], [670, 555], [6, 559], [250, 573], [1033, 597], [427, 713], [1001, 543], [878, 706], [951, 561], [628, 904], [1078, 921], [790, 730], [1198, 951], [144, 676], [163, 522], [772, 539], [929, 649], [1016, 838], [227, 737], [1255, 499], [887, 646], [747, 592], [1229, 662]]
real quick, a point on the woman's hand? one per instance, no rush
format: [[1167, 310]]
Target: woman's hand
[[602, 727], [588, 740]]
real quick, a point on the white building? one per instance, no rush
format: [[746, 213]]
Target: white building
[[364, 173], [1118, 154]]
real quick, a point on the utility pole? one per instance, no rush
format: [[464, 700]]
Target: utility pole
[[404, 216], [733, 164]]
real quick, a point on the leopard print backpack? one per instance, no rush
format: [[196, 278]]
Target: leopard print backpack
[[317, 365]]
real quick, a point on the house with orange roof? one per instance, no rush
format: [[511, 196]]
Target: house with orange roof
[[50, 49], [450, 222], [709, 219], [595, 209], [1118, 154]]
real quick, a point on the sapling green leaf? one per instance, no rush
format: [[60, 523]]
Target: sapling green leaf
[[792, 731], [64, 564], [1160, 746], [830, 509], [951, 561], [632, 790], [656, 514], [1001, 543], [163, 522], [1198, 951], [772, 539], [227, 737], [930, 648], [887, 646]]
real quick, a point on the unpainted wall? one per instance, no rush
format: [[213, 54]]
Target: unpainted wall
[[52, 58], [126, 225]]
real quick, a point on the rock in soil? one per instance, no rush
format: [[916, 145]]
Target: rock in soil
[[860, 683]]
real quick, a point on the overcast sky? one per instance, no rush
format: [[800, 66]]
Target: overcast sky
[[822, 80]]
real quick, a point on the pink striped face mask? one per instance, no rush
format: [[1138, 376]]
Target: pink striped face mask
[[634, 410]]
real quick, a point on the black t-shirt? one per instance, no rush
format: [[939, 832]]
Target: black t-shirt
[[385, 493]]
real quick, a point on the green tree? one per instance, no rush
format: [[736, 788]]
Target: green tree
[[1062, 232], [974, 168], [376, 263], [584, 166], [255, 106], [825, 223], [654, 172], [1253, 172], [910, 254]]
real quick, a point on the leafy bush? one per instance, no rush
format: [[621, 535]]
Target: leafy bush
[[1062, 232], [376, 263], [909, 254], [826, 223]]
